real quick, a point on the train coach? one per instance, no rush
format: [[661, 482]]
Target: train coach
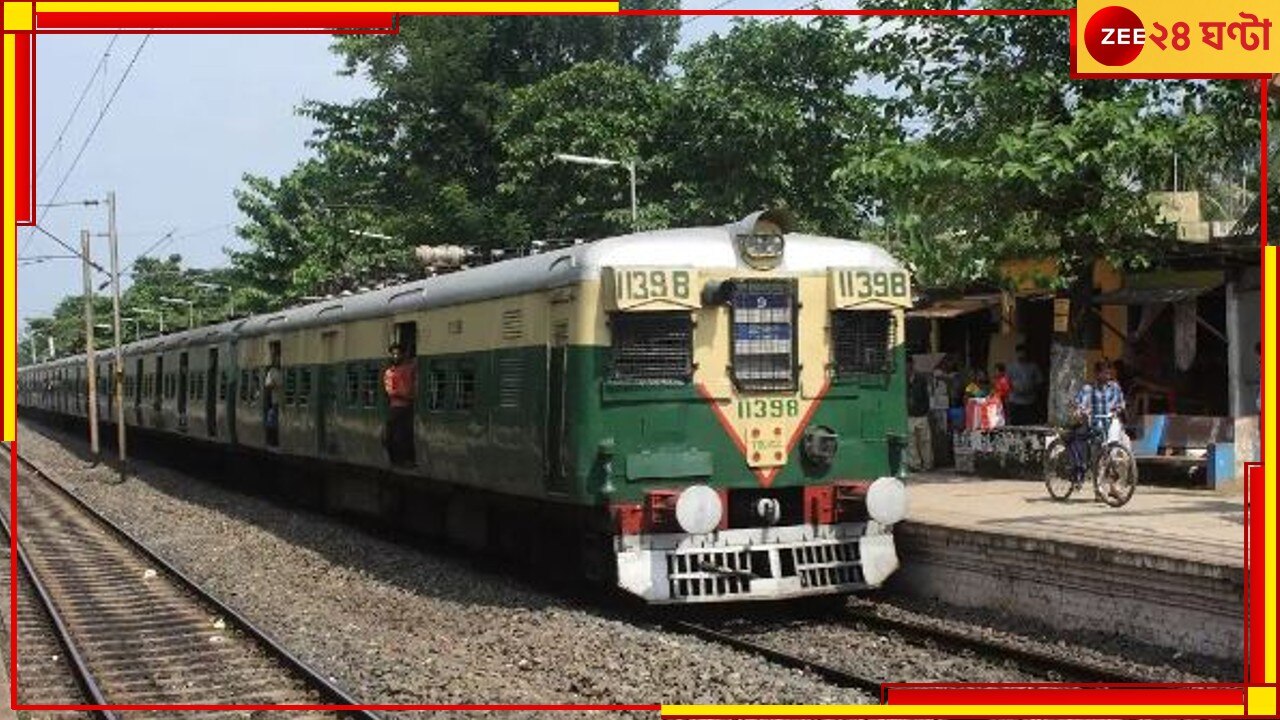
[[703, 414]]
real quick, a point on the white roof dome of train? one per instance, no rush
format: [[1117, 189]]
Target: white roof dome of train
[[695, 248]]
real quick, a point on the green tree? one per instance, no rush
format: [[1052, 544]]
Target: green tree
[[598, 109], [419, 160], [1012, 158], [767, 115]]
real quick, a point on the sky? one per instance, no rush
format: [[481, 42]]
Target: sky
[[192, 116]]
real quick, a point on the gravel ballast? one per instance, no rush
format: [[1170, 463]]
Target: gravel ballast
[[395, 624], [398, 625]]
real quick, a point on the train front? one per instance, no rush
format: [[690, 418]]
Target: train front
[[753, 413]]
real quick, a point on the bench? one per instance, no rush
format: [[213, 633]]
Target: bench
[[1199, 449]]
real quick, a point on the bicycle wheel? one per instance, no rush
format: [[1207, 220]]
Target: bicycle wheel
[[1057, 470], [1115, 476]]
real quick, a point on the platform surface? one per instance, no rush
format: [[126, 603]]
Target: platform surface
[[1205, 526]]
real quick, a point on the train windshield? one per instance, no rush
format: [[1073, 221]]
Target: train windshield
[[764, 339]]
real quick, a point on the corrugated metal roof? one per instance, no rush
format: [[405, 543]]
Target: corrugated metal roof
[[955, 307], [1149, 296]]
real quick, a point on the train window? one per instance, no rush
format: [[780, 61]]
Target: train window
[[437, 387], [763, 335], [353, 385], [369, 388], [464, 388], [255, 386], [652, 348], [862, 341], [244, 386], [304, 386], [290, 386]]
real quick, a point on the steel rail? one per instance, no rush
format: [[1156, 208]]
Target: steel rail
[[83, 676], [1076, 670], [833, 675], [295, 663]]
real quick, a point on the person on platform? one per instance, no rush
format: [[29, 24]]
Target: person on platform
[[1025, 379], [1000, 384], [978, 386], [1097, 405], [399, 380]]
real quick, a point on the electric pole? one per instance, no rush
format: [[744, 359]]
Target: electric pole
[[118, 374], [90, 360]]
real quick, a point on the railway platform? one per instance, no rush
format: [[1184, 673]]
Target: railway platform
[[1167, 569]]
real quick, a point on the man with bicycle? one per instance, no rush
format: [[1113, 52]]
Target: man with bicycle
[[1096, 406]]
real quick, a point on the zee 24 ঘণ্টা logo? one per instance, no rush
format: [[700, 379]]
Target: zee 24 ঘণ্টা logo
[[1115, 35]]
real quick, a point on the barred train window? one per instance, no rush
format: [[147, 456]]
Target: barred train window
[[764, 317], [353, 385], [652, 348], [464, 388], [304, 387], [437, 387], [290, 386], [862, 341], [369, 386]]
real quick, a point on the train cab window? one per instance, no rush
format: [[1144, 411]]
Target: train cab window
[[255, 386], [763, 334], [652, 348], [862, 342]]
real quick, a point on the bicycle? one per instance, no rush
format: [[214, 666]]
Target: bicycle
[[1108, 463]]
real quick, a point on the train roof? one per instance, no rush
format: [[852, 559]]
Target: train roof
[[695, 248]]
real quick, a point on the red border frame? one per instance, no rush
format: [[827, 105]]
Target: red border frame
[[329, 23]]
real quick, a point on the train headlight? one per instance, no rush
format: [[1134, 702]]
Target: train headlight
[[887, 500], [698, 510], [759, 237]]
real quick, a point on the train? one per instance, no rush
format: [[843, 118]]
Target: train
[[697, 415]]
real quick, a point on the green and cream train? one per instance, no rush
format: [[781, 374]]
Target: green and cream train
[[699, 414]]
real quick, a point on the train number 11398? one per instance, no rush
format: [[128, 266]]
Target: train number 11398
[[857, 286]]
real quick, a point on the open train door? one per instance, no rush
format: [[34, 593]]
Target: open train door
[[328, 389], [211, 394], [556, 472]]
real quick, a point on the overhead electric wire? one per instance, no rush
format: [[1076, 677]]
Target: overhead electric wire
[[98, 121], [68, 248], [93, 130], [166, 238], [84, 92], [696, 18]]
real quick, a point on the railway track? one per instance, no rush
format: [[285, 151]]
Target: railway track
[[1053, 666], [830, 673], [746, 637], [135, 630]]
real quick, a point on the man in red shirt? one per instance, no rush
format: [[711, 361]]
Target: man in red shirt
[[399, 381]]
